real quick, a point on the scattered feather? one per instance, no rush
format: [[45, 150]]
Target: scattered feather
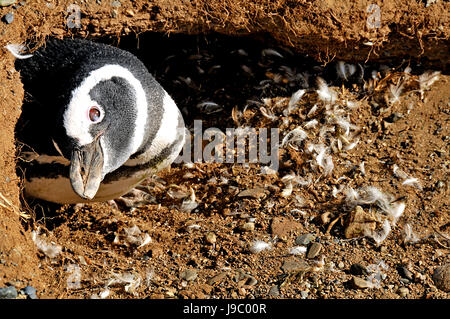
[[311, 124], [17, 51], [189, 204], [295, 98], [380, 235], [268, 114], [294, 137], [287, 191], [413, 182], [325, 93], [395, 91], [427, 79], [258, 246], [297, 250], [51, 249], [408, 235], [272, 52]]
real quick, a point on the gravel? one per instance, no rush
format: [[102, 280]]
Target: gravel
[[30, 292], [188, 274], [304, 239], [8, 292], [8, 18]]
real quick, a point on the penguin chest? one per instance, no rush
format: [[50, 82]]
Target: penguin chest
[[47, 178], [57, 189]]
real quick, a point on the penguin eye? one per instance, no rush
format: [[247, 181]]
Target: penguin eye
[[94, 114]]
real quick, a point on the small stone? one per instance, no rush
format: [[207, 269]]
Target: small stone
[[358, 270], [405, 273], [257, 193], [293, 265], [274, 291], [304, 239], [4, 3], [248, 227], [403, 291], [314, 250], [251, 281], [304, 294], [115, 4], [210, 238], [188, 274], [217, 278], [341, 265], [8, 18], [8, 292], [30, 292], [361, 283], [441, 277], [282, 227], [359, 223]]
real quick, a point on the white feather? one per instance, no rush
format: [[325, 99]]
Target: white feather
[[17, 50]]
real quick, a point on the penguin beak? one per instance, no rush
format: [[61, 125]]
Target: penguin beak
[[86, 169]]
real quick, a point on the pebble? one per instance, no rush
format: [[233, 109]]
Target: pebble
[[358, 270], [8, 292], [405, 273], [294, 265], [441, 277], [403, 291], [274, 291], [189, 274], [304, 294], [115, 4], [248, 227], [217, 278], [210, 238], [4, 3], [361, 283], [304, 239], [30, 292], [257, 193], [314, 250], [8, 18]]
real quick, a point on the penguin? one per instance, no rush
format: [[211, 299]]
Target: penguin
[[94, 124]]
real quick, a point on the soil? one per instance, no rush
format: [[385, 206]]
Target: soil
[[217, 51]]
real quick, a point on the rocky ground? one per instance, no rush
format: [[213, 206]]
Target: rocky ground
[[358, 207]]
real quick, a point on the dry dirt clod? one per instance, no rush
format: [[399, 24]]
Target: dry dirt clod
[[293, 265], [210, 238], [248, 227], [441, 277], [360, 223], [189, 274]]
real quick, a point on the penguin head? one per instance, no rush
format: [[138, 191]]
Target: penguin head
[[104, 123]]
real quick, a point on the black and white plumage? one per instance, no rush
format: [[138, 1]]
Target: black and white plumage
[[94, 123]]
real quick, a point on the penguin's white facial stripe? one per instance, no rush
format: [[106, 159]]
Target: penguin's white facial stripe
[[77, 124], [166, 135]]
